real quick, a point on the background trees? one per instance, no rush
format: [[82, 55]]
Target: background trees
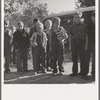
[[85, 3], [24, 10]]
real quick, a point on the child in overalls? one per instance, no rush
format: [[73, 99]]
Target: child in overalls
[[48, 24], [39, 42], [57, 43]]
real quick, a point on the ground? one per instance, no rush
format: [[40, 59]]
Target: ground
[[47, 78]]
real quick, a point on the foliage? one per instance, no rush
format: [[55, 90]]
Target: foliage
[[85, 3], [25, 10]]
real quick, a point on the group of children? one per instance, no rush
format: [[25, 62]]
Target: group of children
[[47, 42]]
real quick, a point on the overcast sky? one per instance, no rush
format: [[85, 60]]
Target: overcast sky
[[57, 6]]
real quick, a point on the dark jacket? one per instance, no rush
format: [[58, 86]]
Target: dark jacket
[[91, 33], [7, 39], [78, 31], [21, 39]]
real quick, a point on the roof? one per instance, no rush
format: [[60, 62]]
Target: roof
[[92, 8]]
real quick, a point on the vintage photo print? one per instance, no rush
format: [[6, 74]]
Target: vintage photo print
[[49, 49]]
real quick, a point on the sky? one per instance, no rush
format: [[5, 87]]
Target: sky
[[57, 6]]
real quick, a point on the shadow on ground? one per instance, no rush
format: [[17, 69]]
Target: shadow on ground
[[48, 78]]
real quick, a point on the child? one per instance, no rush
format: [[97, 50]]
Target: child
[[39, 42], [48, 24], [21, 43], [78, 44], [57, 39], [7, 45]]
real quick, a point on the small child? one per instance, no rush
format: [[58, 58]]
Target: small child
[[39, 42], [48, 24], [57, 40]]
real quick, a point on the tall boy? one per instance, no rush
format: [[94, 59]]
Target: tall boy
[[21, 43], [7, 45], [91, 45], [78, 44], [57, 39]]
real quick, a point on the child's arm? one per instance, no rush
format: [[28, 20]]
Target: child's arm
[[33, 40], [70, 39], [64, 34]]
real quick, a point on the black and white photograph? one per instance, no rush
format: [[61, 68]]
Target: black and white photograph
[[44, 44], [50, 42]]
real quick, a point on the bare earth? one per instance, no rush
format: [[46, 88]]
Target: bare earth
[[47, 78]]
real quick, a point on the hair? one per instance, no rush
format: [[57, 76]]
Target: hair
[[78, 13], [20, 22], [35, 20], [93, 14], [56, 19], [6, 22], [39, 24], [48, 21]]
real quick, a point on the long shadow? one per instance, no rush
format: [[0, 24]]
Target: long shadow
[[50, 79]]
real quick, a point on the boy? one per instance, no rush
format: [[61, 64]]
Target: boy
[[21, 43], [32, 31], [57, 39], [34, 28], [91, 45], [78, 44], [7, 45], [39, 43], [48, 24]]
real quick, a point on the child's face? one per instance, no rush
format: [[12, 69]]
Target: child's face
[[35, 23], [93, 19], [39, 29], [20, 25], [56, 24], [6, 25], [76, 19], [47, 25]]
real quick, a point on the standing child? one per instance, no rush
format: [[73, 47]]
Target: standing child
[[7, 45], [57, 40], [21, 43], [39, 42], [48, 24], [78, 44], [91, 45]]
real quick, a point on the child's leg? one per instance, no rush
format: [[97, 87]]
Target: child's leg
[[75, 57], [7, 59], [24, 58], [82, 58], [60, 58], [54, 60], [19, 60], [43, 59], [36, 59]]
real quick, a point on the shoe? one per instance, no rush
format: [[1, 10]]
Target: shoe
[[79, 74], [20, 73], [73, 75], [60, 73], [85, 77], [7, 71], [35, 73], [26, 71], [93, 77], [54, 74], [62, 70]]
